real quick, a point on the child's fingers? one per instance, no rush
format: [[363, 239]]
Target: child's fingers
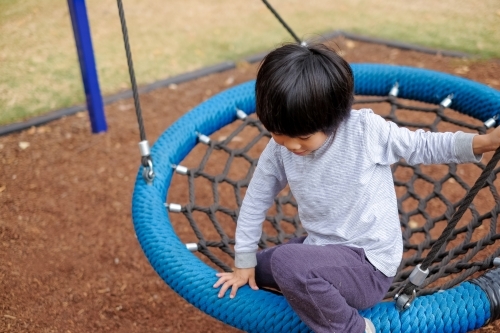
[[218, 283], [234, 290], [223, 289], [223, 277], [253, 284], [233, 281], [235, 284]]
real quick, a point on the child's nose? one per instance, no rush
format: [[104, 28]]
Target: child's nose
[[292, 144]]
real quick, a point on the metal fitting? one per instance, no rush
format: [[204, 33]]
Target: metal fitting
[[144, 148], [180, 169], [148, 173], [496, 261], [394, 90], [491, 122], [418, 276], [403, 302], [241, 114], [174, 208], [203, 138], [447, 101], [193, 247]]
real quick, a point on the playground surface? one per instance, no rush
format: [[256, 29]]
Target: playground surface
[[70, 261]]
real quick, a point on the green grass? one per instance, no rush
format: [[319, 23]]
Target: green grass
[[39, 69]]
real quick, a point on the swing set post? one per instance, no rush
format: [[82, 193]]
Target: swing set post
[[83, 40]]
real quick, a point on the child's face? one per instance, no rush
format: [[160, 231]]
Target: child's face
[[302, 145]]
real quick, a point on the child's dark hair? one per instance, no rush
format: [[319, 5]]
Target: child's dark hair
[[302, 90]]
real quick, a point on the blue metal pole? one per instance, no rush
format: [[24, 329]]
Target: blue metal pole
[[83, 39]]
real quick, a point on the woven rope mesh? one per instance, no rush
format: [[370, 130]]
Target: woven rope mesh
[[219, 172]]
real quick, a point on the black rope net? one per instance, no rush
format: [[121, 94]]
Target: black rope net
[[210, 193]]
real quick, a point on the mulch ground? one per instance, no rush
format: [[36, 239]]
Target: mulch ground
[[69, 259]]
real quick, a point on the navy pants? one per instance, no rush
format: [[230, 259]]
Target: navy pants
[[325, 285]]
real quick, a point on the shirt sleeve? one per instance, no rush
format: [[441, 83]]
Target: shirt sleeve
[[386, 143], [268, 180]]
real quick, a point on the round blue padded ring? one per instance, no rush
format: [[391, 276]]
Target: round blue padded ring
[[461, 309]]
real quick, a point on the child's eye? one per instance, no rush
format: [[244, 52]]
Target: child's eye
[[304, 137]]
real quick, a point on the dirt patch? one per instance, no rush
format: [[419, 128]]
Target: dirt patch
[[70, 261]]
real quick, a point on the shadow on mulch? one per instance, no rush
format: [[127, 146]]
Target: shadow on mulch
[[70, 261]]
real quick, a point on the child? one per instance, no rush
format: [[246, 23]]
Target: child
[[337, 163]]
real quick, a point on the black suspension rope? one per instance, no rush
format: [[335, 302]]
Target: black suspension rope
[[146, 159], [478, 185], [131, 72], [287, 27], [480, 182]]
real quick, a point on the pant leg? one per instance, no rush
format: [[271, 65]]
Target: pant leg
[[263, 274], [326, 285]]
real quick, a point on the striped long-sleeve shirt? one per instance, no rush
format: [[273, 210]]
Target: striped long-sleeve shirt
[[345, 190]]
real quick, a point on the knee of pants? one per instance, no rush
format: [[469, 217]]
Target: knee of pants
[[286, 268]]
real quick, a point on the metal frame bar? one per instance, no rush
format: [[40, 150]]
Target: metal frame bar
[[83, 40]]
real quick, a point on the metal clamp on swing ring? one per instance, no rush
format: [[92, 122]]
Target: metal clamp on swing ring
[[148, 173], [403, 301], [417, 278]]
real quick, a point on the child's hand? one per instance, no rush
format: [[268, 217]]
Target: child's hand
[[239, 277]]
